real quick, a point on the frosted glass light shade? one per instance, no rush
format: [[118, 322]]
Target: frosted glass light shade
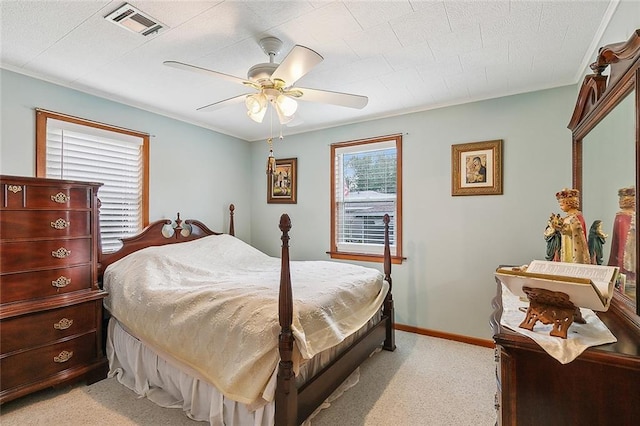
[[256, 103], [284, 119], [257, 117], [287, 105]]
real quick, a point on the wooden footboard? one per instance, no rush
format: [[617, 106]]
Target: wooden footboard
[[294, 405]]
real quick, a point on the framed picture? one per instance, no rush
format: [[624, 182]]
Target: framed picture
[[476, 168], [282, 185]]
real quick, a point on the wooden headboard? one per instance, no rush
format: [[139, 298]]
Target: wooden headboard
[[155, 235]]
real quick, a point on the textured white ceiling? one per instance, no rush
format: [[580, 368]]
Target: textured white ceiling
[[405, 55]]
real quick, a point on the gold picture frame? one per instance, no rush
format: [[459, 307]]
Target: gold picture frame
[[476, 168], [282, 185]]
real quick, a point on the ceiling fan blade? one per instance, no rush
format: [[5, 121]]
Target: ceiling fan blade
[[193, 68], [333, 98], [225, 103], [298, 62]]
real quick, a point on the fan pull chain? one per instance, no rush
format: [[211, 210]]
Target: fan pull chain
[[271, 160]]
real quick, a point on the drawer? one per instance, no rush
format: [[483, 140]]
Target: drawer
[[45, 224], [30, 255], [17, 195], [45, 327], [32, 285], [37, 364]]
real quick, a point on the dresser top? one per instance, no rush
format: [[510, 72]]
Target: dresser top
[[44, 181]]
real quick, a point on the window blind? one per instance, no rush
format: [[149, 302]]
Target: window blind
[[365, 190], [84, 153]]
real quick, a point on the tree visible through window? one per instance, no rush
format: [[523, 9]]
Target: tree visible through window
[[76, 149], [366, 182]]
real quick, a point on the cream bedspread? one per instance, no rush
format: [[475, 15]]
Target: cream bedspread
[[212, 303]]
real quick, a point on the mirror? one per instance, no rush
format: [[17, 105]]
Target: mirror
[[606, 132], [608, 165]]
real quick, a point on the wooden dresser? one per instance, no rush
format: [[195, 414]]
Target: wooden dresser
[[600, 387], [50, 302]]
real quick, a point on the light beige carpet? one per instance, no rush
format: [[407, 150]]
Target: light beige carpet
[[426, 381]]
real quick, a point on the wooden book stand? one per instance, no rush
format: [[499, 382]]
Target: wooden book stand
[[550, 307]]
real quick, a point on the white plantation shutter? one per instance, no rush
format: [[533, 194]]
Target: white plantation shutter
[[115, 159], [364, 194]]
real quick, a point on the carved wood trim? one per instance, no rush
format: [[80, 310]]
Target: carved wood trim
[[620, 58], [593, 86]]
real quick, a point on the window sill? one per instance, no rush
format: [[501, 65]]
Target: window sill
[[365, 257]]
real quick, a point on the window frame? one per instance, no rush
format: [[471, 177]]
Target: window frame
[[42, 117], [396, 258]]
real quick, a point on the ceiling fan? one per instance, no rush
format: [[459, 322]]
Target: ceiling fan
[[275, 83]]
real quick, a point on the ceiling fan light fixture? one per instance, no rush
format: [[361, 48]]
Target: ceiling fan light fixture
[[284, 119], [286, 105], [258, 116], [256, 103]]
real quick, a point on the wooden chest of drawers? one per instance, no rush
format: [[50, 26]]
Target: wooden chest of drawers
[[50, 302]]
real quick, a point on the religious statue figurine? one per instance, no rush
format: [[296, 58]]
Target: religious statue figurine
[[553, 238], [596, 240], [623, 237], [572, 229], [629, 263]]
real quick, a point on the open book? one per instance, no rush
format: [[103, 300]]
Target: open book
[[588, 286]]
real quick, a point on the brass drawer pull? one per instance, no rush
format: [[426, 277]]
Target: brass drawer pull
[[14, 188], [63, 324], [64, 356], [61, 253], [60, 224], [60, 198], [61, 282]]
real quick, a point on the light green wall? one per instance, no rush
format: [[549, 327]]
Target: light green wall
[[194, 171], [452, 244]]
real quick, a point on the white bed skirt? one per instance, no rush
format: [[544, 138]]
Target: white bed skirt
[[169, 383]]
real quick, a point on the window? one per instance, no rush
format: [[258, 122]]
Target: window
[[76, 149], [366, 182]]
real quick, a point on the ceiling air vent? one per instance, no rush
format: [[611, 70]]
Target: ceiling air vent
[[134, 20]]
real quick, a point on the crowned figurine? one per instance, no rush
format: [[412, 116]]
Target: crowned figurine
[[623, 237], [570, 230]]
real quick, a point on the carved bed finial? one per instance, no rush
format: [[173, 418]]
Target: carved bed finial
[[232, 230], [178, 227], [285, 223]]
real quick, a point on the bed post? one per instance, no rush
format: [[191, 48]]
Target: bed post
[[390, 340], [232, 230], [286, 391]]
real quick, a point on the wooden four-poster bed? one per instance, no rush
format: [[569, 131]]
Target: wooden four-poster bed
[[295, 397]]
